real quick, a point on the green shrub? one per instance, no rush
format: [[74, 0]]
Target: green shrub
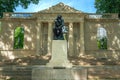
[[102, 43], [18, 38]]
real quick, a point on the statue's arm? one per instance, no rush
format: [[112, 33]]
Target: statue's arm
[[62, 22]]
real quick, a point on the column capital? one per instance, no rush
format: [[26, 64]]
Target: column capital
[[82, 21], [50, 24], [70, 21]]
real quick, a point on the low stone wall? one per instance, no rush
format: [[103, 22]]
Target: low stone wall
[[15, 73], [108, 54], [103, 73], [93, 72]]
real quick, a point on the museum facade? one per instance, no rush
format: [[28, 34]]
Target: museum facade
[[87, 34]]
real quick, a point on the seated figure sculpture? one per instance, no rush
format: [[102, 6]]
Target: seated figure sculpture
[[58, 29]]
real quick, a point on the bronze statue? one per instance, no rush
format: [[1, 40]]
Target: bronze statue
[[58, 29]]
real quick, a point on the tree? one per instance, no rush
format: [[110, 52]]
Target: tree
[[19, 38], [107, 6], [102, 43], [10, 5]]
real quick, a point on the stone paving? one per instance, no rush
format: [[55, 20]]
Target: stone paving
[[100, 69]]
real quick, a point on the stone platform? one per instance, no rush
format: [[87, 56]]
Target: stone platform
[[48, 73], [93, 72]]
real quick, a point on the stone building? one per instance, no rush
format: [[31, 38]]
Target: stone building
[[82, 37]]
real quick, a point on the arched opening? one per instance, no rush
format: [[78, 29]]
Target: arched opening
[[101, 38], [18, 38]]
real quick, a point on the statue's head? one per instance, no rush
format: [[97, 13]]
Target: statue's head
[[59, 16]]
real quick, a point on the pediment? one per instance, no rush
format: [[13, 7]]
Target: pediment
[[60, 8]]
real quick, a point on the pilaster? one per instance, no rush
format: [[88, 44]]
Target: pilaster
[[49, 44], [70, 39], [38, 38], [82, 46]]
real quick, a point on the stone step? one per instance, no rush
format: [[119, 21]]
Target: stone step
[[15, 73], [104, 79], [104, 72]]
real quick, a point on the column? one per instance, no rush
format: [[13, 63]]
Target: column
[[70, 39], [38, 38], [49, 38], [82, 46]]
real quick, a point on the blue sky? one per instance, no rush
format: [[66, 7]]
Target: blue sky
[[82, 5]]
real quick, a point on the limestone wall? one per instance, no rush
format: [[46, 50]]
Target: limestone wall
[[112, 27], [38, 35], [7, 37], [76, 39]]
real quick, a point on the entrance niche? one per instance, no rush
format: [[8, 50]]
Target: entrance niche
[[76, 38], [44, 38]]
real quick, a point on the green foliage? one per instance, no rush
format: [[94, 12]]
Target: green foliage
[[0, 26], [18, 38], [107, 6], [102, 43], [10, 5]]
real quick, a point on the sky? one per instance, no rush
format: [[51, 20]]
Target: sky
[[86, 6]]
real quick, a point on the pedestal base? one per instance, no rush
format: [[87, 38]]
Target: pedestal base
[[59, 54], [59, 74]]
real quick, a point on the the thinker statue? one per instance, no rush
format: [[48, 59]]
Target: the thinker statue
[[59, 28]]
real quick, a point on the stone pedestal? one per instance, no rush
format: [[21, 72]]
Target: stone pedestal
[[59, 54], [59, 67]]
